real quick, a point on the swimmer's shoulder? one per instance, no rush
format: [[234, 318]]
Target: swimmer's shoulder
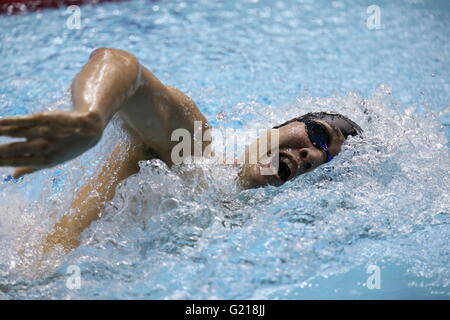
[[149, 154]]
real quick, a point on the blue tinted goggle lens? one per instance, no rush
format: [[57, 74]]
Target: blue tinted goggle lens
[[318, 136]]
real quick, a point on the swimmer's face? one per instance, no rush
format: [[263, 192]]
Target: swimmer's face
[[296, 155]]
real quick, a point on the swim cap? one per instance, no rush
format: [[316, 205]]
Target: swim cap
[[344, 124]]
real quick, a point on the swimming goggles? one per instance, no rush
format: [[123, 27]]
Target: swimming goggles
[[318, 135]]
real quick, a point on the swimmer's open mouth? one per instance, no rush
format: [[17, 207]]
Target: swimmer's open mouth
[[285, 168]]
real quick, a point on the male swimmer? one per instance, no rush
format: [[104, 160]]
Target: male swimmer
[[114, 82]]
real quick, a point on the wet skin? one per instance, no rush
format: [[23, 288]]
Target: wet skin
[[297, 155], [114, 82]]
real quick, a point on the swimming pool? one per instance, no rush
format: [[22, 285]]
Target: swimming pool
[[381, 205]]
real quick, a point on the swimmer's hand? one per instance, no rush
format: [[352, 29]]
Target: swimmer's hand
[[52, 138]]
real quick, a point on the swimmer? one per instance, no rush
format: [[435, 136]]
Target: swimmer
[[114, 82]]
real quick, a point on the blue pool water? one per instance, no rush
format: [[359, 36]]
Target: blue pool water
[[250, 64]]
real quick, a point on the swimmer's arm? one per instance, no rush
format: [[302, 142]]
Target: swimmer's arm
[[111, 81], [105, 82], [99, 90], [90, 200]]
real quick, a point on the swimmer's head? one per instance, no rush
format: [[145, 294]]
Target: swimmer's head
[[305, 143]]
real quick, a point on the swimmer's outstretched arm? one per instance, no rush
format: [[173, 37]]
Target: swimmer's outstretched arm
[[112, 81], [98, 91], [90, 200]]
